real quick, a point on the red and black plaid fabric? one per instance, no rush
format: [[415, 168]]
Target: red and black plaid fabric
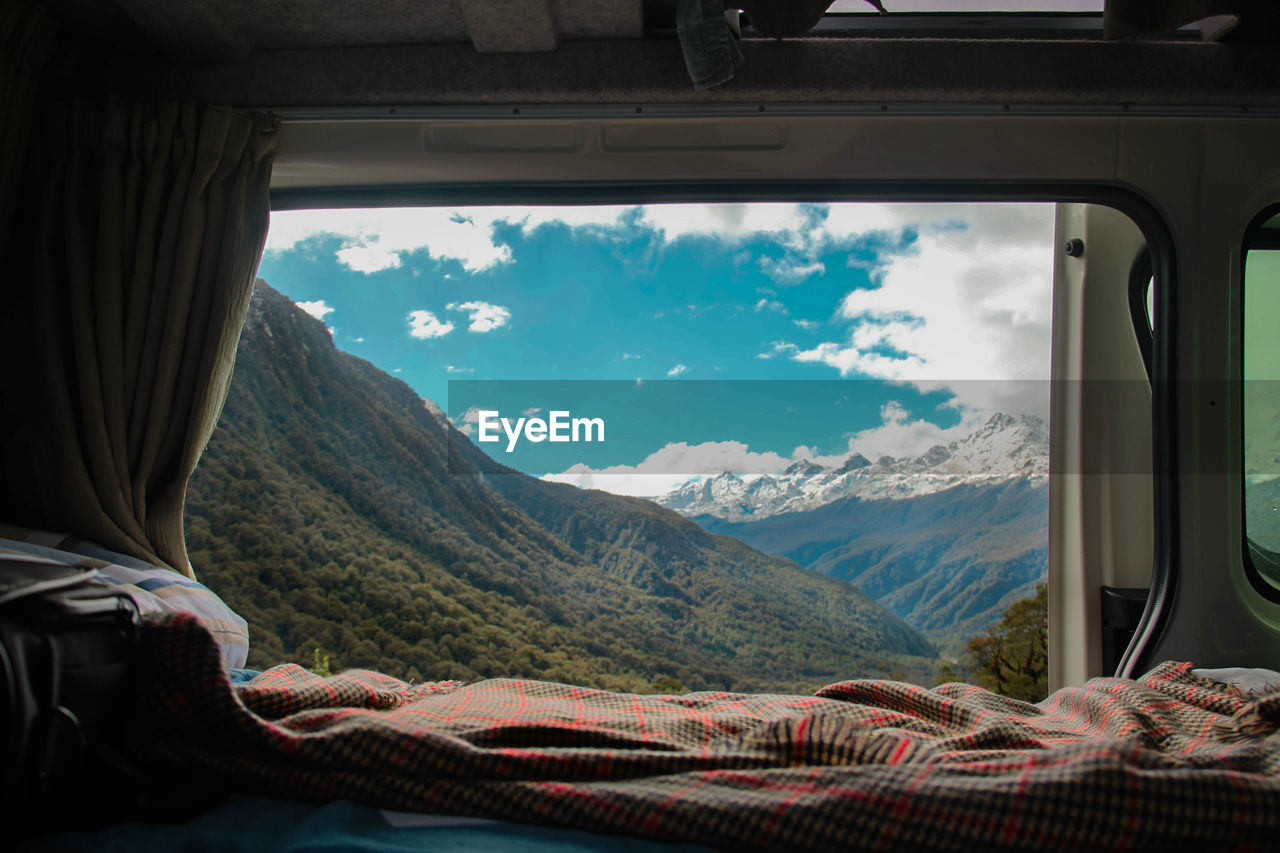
[[1164, 762]]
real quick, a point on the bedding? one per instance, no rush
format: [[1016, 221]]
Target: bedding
[[1171, 760], [1247, 681], [155, 589]]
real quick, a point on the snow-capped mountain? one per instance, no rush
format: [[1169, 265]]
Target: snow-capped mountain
[[1005, 448]]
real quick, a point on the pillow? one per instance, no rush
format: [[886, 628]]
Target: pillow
[[1250, 682], [154, 589]]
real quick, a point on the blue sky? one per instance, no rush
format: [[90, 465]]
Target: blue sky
[[714, 337]]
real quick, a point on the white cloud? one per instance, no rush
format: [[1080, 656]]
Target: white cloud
[[467, 423], [358, 340], [674, 464], [316, 308], [851, 359], [453, 368], [575, 216], [631, 356], [531, 411], [367, 259], [778, 348], [967, 307], [376, 239], [852, 219], [789, 271], [968, 299], [677, 370], [730, 222], [899, 436], [769, 305], [807, 325], [693, 310], [484, 316], [424, 324]]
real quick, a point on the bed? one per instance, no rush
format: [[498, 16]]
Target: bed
[[287, 759], [1175, 759]]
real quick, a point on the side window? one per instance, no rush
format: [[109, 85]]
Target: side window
[[1142, 307], [1261, 403], [1151, 304]]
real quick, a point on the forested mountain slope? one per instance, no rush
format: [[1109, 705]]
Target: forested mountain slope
[[327, 511]]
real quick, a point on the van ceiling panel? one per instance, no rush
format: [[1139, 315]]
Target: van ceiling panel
[[652, 71], [301, 53], [376, 159], [507, 138], [712, 135]]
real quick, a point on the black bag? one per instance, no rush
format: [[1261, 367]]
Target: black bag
[[66, 646]]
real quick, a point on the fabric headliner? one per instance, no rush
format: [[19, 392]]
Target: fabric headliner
[[652, 71]]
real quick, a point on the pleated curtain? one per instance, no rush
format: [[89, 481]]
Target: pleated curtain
[[27, 37], [145, 228]]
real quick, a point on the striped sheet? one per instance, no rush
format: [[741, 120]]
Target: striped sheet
[[156, 590]]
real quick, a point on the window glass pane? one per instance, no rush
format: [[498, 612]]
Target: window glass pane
[[851, 397], [1262, 410], [1151, 304]]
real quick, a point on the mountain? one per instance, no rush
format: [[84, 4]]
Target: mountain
[[1004, 448], [339, 512], [949, 563], [946, 540]]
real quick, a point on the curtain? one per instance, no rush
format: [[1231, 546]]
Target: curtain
[[147, 232], [26, 43]]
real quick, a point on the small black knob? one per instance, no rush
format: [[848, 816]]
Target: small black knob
[[1074, 247]]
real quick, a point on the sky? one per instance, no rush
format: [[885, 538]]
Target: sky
[[706, 337]]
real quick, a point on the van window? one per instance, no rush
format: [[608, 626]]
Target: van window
[[1261, 400], [754, 446]]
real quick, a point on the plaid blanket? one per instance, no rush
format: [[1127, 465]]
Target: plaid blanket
[[1167, 761]]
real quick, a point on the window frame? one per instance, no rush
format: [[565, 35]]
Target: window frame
[[1161, 252]]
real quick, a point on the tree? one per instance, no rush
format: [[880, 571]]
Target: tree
[[1013, 658], [321, 665], [668, 686]]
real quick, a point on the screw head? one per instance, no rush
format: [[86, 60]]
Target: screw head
[[1074, 247]]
